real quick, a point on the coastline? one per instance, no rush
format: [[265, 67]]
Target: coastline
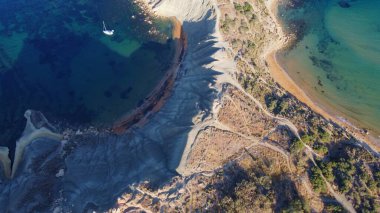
[[154, 101], [280, 75], [191, 139]]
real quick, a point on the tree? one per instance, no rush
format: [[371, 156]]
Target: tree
[[316, 180]]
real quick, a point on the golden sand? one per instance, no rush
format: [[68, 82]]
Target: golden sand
[[285, 81]]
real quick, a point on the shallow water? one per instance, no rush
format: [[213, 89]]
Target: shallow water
[[54, 58], [336, 59]]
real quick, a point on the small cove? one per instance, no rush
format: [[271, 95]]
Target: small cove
[[54, 58]]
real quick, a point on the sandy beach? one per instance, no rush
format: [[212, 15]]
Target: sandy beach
[[195, 134], [284, 80]]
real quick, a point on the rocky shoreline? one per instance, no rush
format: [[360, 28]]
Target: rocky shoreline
[[90, 169], [137, 117], [162, 91], [227, 138]]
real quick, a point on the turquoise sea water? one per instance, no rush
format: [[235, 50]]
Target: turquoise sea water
[[54, 58], [336, 58]]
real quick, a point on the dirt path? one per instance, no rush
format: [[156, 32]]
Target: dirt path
[[339, 197], [280, 75]]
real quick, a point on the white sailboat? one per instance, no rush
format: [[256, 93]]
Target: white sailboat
[[107, 32]]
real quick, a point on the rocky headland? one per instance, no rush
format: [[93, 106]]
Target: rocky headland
[[227, 138]]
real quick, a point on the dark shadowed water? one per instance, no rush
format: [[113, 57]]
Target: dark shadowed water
[[54, 58]]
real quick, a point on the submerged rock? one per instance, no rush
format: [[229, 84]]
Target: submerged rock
[[344, 4]]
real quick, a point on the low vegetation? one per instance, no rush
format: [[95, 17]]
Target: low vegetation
[[243, 8], [349, 169], [258, 190], [355, 172]]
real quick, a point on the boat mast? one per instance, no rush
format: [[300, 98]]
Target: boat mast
[[104, 27]]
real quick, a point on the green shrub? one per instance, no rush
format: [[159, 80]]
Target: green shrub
[[247, 7], [272, 105], [284, 106], [333, 208], [324, 136], [243, 8], [316, 180], [320, 148], [296, 146], [327, 170], [295, 206], [308, 139]]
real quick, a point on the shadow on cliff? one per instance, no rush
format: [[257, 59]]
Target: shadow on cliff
[[99, 167], [28, 85]]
